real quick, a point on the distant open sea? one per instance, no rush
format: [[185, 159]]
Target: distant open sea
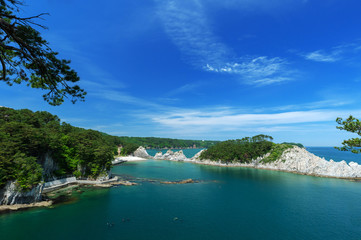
[[226, 203], [331, 153]]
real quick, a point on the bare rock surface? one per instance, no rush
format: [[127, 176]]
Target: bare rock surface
[[172, 156], [297, 160], [142, 153], [10, 195]]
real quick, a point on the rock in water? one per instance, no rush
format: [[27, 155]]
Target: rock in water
[[178, 156], [158, 155], [198, 154], [142, 153], [170, 155]]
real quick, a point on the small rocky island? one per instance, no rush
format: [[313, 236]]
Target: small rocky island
[[293, 159]]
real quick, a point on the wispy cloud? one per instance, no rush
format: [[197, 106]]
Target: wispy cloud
[[334, 54], [123, 97], [320, 56], [187, 26], [186, 88], [198, 122], [313, 105], [259, 71]]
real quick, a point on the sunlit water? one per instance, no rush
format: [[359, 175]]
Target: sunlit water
[[227, 203]]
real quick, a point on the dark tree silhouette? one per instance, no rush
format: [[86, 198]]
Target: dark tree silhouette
[[26, 57]]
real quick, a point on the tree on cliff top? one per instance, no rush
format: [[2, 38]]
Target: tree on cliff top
[[26, 57], [353, 125]]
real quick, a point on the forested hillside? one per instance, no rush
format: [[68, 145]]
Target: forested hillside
[[153, 142], [246, 149], [29, 139]]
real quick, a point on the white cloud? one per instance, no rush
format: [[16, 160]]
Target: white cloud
[[187, 25], [334, 54], [320, 56], [229, 120], [257, 71]]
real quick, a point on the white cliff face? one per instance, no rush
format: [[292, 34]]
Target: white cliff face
[[301, 161], [297, 160], [10, 195], [142, 153]]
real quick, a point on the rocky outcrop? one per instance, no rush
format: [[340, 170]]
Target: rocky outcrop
[[198, 154], [10, 195], [170, 155], [142, 153], [49, 167], [298, 160]]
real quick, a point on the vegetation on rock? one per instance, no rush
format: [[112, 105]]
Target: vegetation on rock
[[247, 149], [28, 139], [276, 152], [239, 150]]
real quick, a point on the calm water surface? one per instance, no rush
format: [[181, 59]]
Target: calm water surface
[[227, 203]]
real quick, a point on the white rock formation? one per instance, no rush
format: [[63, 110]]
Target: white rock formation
[[299, 160], [198, 154], [142, 153], [10, 195], [170, 155]]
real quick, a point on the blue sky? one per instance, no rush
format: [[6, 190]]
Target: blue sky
[[206, 69]]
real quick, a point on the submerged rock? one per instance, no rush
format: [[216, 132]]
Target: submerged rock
[[180, 182]]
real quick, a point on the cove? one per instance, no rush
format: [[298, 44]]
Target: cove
[[227, 203]]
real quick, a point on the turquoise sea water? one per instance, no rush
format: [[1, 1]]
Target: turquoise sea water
[[227, 203]]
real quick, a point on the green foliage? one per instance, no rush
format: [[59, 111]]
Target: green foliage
[[158, 143], [239, 150], [28, 171], [294, 144], [276, 152], [26, 57], [26, 137], [353, 125], [128, 148]]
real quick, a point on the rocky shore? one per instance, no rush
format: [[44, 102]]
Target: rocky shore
[[296, 160], [13, 200]]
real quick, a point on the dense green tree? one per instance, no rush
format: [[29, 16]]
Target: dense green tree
[[353, 125], [27, 137], [26, 57], [239, 150], [154, 142]]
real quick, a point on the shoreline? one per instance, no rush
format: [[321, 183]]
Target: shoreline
[[295, 160], [60, 188], [18, 207], [245, 165]]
